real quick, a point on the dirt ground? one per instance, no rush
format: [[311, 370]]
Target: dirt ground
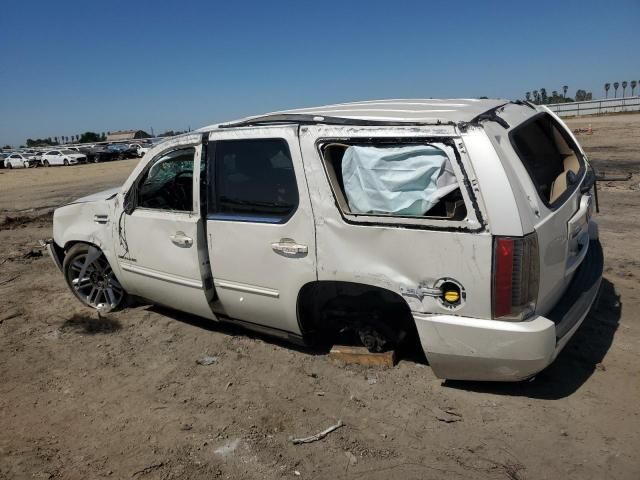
[[122, 396]]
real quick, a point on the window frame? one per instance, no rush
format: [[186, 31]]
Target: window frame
[[212, 214], [474, 220], [136, 184], [558, 202]]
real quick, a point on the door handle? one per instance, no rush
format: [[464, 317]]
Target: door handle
[[287, 246], [181, 240]]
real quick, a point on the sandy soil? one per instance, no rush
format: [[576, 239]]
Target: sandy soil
[[123, 397], [42, 188]]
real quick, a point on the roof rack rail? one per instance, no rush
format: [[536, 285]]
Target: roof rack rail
[[318, 119]]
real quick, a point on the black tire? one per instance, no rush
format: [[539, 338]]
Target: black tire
[[65, 162], [46, 163], [91, 279], [96, 159], [9, 166]]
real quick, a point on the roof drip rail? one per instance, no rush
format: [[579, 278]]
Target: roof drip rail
[[491, 116], [320, 119], [526, 103]]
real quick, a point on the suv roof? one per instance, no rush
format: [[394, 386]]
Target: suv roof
[[427, 111]]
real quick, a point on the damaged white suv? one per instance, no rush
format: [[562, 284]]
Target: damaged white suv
[[465, 224]]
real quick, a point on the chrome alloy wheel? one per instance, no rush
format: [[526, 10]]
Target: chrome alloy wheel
[[92, 280]]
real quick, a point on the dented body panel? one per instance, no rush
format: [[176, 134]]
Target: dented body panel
[[221, 264]]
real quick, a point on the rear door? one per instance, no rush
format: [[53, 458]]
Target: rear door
[[557, 167], [260, 225]]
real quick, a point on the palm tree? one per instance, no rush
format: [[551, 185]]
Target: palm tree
[[607, 86], [527, 95], [615, 87], [536, 99], [543, 95], [624, 87], [634, 84], [564, 91]]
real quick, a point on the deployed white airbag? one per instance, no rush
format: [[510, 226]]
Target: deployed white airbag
[[396, 180]]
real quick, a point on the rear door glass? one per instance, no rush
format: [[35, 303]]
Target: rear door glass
[[550, 156], [254, 180]]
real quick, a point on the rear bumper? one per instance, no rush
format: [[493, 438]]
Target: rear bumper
[[464, 348]]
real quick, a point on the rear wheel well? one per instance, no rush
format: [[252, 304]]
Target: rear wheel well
[[326, 308]]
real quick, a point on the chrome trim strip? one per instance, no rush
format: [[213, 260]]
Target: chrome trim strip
[[147, 272], [242, 287]]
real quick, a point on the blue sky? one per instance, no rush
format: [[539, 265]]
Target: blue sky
[[69, 66]]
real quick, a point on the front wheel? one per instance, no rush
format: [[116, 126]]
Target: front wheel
[[46, 163], [91, 279], [26, 164], [9, 166], [65, 162]]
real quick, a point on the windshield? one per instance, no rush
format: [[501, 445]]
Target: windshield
[[67, 151]]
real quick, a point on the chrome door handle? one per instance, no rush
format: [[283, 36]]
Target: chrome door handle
[[181, 240], [287, 246]]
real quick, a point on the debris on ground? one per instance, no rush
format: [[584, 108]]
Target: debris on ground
[[446, 416], [9, 280], [352, 458], [228, 448], [33, 254], [362, 356], [317, 436], [207, 360], [148, 469]]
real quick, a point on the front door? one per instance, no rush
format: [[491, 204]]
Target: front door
[[161, 244], [260, 225]]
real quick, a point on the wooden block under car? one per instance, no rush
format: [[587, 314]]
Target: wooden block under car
[[362, 356]]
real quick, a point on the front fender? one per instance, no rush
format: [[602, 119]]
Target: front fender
[[90, 222]]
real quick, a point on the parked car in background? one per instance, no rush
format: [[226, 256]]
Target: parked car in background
[[18, 160], [32, 155], [38, 156], [3, 155], [122, 150], [63, 157], [463, 225], [98, 153], [141, 149]]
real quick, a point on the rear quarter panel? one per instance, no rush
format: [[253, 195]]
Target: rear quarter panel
[[394, 257]]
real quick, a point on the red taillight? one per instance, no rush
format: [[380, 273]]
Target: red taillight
[[503, 277], [515, 276]]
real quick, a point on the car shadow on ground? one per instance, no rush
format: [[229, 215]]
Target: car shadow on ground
[[232, 329], [581, 357], [90, 324]]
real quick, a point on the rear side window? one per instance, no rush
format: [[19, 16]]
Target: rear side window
[[253, 180], [393, 180], [553, 161]]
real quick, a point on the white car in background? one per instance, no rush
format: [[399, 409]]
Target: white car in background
[[141, 149], [18, 160], [63, 157]]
